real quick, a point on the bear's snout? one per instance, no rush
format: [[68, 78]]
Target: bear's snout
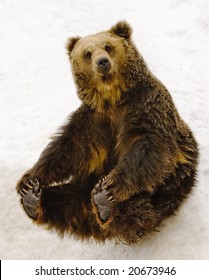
[[103, 65]]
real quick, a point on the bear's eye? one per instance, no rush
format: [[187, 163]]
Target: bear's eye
[[87, 55], [108, 48]]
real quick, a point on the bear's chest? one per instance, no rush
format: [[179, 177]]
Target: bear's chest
[[107, 126], [109, 122]]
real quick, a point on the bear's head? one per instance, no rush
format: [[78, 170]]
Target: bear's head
[[105, 65]]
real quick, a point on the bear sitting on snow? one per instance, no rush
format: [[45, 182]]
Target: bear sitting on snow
[[125, 160]]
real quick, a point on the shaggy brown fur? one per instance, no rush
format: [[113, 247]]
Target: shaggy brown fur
[[125, 160]]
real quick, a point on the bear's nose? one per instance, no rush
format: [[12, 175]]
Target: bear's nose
[[103, 64]]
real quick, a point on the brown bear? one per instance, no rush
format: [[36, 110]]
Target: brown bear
[[125, 160]]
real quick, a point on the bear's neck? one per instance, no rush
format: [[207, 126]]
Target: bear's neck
[[103, 97]]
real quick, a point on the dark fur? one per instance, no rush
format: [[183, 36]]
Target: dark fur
[[135, 138]]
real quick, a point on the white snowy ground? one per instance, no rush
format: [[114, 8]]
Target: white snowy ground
[[37, 93]]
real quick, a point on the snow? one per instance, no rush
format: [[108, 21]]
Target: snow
[[37, 94]]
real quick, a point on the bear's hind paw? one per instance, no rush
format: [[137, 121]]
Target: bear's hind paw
[[31, 193], [103, 199]]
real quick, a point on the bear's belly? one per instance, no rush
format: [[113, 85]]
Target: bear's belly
[[96, 161]]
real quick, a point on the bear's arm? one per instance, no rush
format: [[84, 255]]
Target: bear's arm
[[67, 153], [147, 155]]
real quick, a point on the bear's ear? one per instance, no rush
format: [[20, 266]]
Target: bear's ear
[[71, 44], [122, 29]]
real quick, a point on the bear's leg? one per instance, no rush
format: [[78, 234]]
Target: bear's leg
[[128, 220], [67, 208], [131, 219]]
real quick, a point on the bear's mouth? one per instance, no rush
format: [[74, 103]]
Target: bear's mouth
[[106, 77]]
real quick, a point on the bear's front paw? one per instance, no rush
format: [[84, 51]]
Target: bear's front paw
[[30, 192], [104, 199]]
